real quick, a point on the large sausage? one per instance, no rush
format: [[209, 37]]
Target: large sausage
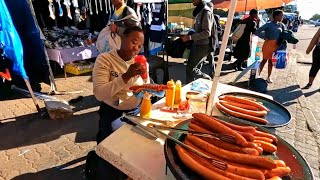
[[241, 115], [245, 111], [216, 126], [263, 134], [154, 87], [263, 139], [245, 106], [248, 136], [245, 101], [279, 171], [224, 145], [207, 164], [257, 161], [235, 168], [248, 129], [195, 166], [267, 147]]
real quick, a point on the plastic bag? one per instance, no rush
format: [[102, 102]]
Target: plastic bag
[[108, 41], [279, 59], [9, 37]]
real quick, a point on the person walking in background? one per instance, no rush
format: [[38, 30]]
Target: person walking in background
[[296, 24], [315, 43], [202, 45], [242, 48], [270, 32]]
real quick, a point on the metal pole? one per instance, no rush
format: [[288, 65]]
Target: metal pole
[[221, 55], [51, 77], [32, 95]]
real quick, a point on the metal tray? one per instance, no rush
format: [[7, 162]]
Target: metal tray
[[278, 115], [300, 168]]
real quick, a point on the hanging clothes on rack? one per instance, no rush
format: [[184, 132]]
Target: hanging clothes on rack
[[67, 3], [157, 28]]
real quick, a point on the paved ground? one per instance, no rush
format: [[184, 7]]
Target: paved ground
[[304, 65], [36, 148]]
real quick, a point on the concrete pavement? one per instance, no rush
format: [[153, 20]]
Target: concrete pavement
[[36, 148]]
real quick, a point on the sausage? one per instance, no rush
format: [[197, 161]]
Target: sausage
[[154, 87], [215, 125], [195, 166], [263, 139], [275, 178], [248, 129], [250, 99], [248, 136], [245, 101], [263, 134], [230, 147], [259, 149], [224, 145], [280, 163], [245, 111], [241, 115], [245, 106], [267, 147], [257, 161], [207, 164], [235, 168], [198, 128], [279, 171]]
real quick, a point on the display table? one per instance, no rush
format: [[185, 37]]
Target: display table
[[130, 150], [67, 55]]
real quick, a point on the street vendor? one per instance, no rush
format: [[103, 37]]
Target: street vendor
[[122, 11], [113, 74]]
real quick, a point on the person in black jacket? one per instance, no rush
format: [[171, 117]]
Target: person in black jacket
[[242, 49]]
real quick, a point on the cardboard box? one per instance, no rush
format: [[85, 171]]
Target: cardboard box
[[80, 67]]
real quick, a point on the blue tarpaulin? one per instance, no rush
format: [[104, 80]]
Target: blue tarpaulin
[[10, 38]]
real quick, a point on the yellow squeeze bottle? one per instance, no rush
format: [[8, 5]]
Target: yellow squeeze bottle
[[145, 109], [170, 93], [177, 96]]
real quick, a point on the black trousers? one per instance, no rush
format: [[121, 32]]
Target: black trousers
[[107, 115], [197, 53], [315, 62]]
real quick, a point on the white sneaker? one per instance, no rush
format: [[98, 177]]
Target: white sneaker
[[269, 80]]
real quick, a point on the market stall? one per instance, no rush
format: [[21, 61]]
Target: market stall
[[140, 155]]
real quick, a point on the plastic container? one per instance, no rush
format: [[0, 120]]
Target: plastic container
[[170, 94], [145, 109], [143, 61], [177, 96]]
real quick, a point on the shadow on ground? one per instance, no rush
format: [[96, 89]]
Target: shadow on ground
[[286, 96], [32, 129], [68, 171]]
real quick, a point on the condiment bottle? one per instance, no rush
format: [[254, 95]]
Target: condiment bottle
[[177, 96], [143, 61], [145, 109], [170, 93]]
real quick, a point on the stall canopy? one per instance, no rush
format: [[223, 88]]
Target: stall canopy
[[245, 5], [190, 1]]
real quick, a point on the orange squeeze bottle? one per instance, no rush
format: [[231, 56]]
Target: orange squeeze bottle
[[170, 94]]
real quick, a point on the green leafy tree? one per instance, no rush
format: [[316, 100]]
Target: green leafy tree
[[315, 17]]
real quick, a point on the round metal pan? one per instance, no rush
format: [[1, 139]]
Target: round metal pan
[[278, 115], [300, 169]]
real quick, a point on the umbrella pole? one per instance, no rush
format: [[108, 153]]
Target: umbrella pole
[[221, 55], [32, 95]]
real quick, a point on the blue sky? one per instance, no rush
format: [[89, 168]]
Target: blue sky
[[308, 8]]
